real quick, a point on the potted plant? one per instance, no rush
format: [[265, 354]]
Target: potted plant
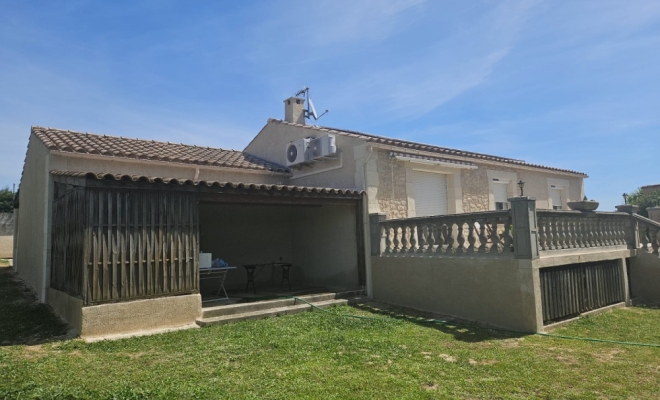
[[583, 205]]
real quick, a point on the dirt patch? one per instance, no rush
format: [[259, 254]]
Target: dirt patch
[[482, 362], [430, 386], [447, 357], [607, 356]]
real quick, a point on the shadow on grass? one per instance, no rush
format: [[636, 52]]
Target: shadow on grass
[[23, 320], [463, 331]]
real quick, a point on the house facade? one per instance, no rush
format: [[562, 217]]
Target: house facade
[[407, 179]]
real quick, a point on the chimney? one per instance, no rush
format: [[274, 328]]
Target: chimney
[[294, 110]]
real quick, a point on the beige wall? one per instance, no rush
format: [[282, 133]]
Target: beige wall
[[270, 144], [32, 248], [501, 293], [324, 242], [111, 165], [645, 277]]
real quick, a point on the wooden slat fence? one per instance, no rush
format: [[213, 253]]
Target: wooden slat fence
[[570, 290], [140, 244], [117, 245], [68, 228]]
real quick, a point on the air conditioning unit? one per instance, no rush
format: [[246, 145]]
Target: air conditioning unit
[[297, 152], [324, 146]]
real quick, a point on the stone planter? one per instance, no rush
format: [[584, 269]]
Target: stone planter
[[583, 205]]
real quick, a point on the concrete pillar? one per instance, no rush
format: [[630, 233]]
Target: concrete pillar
[[525, 240], [627, 208], [654, 213], [374, 231]]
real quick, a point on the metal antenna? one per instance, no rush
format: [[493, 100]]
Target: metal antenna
[[310, 111]]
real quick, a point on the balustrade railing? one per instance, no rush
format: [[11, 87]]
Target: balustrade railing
[[649, 234], [561, 229], [452, 235]]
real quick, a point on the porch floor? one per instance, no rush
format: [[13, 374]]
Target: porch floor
[[269, 292]]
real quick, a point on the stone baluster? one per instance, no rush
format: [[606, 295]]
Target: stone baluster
[[508, 235], [653, 233], [574, 233], [452, 238], [495, 237], [607, 234], [384, 247], [598, 232], [397, 239], [472, 237], [643, 238], [422, 236], [405, 242], [413, 239], [550, 234], [589, 234], [622, 231], [442, 238], [542, 235], [460, 237], [556, 234], [563, 238], [568, 223], [390, 239], [483, 234]]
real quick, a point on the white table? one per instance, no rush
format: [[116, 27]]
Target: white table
[[219, 273]]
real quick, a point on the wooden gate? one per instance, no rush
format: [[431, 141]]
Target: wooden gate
[[570, 290]]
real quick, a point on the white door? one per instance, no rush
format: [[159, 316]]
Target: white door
[[430, 194], [555, 197], [500, 196]]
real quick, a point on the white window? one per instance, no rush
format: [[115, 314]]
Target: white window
[[500, 195], [430, 193], [556, 197]]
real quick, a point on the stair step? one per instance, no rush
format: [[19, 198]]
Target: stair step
[[273, 312], [241, 308]]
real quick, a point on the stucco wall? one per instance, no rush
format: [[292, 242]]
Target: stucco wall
[[645, 277], [497, 292], [270, 144], [324, 243], [161, 169], [475, 190], [33, 242]]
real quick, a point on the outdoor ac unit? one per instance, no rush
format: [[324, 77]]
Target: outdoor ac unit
[[297, 152], [324, 146]]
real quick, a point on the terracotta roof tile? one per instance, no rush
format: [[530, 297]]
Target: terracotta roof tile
[[425, 147], [140, 149]]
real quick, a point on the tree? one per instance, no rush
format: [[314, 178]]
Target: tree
[[644, 200], [6, 200]]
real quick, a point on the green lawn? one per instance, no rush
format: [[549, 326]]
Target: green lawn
[[316, 355]]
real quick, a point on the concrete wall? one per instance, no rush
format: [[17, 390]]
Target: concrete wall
[[32, 248], [138, 316], [324, 243], [499, 292], [645, 277], [113, 165], [270, 144]]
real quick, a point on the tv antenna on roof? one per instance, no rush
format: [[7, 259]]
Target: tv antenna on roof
[[310, 111]]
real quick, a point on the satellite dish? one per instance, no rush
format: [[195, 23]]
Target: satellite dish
[[310, 111]]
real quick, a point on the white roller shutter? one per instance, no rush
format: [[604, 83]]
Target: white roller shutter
[[555, 196], [430, 194], [499, 192]]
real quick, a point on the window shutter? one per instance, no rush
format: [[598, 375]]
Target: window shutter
[[430, 194], [499, 193], [555, 196]]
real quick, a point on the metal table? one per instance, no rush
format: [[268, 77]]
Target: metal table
[[219, 273], [254, 269]]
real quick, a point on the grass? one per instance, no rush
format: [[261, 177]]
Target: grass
[[315, 355], [4, 262]]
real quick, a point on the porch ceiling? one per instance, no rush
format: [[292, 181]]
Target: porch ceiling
[[91, 179]]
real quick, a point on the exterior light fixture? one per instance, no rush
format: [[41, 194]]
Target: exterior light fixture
[[625, 198], [521, 185]]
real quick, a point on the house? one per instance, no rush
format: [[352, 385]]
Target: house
[[109, 230], [406, 179]]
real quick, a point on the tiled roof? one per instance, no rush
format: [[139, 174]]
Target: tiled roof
[[140, 149], [232, 185], [424, 147]]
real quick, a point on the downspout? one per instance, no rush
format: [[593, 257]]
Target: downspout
[[366, 229]]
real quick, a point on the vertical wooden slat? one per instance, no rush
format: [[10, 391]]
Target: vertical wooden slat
[[121, 230], [133, 240], [177, 243], [195, 235]]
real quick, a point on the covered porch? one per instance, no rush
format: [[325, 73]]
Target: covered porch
[[125, 250]]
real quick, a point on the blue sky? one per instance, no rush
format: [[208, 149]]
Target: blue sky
[[571, 84]]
